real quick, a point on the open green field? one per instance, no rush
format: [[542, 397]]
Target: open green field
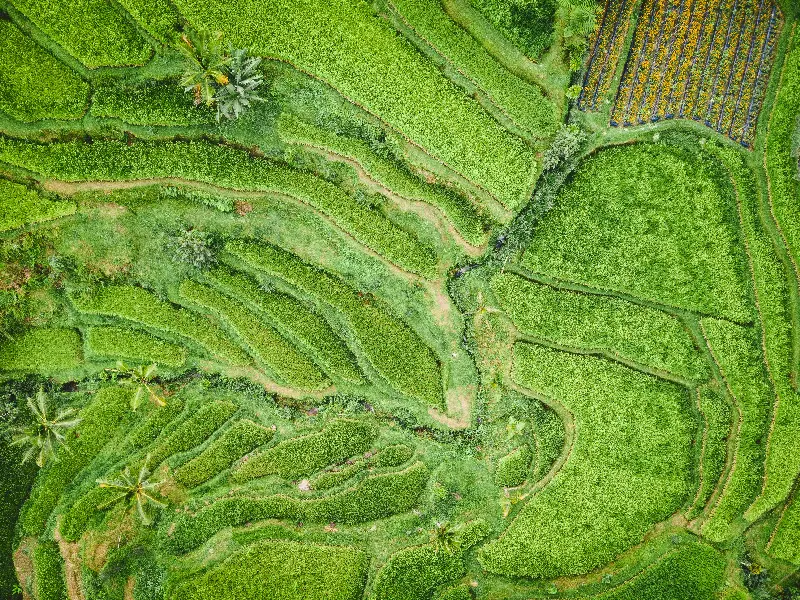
[[399, 300]]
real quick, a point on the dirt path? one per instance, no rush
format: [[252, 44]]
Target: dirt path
[[23, 565], [70, 552]]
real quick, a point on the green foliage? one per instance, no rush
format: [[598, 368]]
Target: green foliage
[[193, 431], [148, 103], [262, 341], [99, 421], [393, 456], [785, 543], [527, 23], [241, 92], [296, 320], [393, 349], [140, 306], [158, 17], [414, 573], [514, 468], [137, 491], [130, 344], [42, 350], [459, 592], [205, 64], [140, 378], [221, 203], [14, 487], [93, 31], [288, 570], [297, 457], [151, 427], [375, 497], [33, 84], [241, 438], [49, 572], [383, 73], [617, 482], [45, 433], [566, 145], [194, 248], [601, 323], [651, 221]]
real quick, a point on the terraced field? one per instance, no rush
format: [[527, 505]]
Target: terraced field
[[401, 300]]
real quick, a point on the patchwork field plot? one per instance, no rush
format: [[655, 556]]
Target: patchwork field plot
[[705, 61], [399, 300]]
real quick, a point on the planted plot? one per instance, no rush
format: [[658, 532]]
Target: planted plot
[[129, 344], [42, 350], [20, 206], [629, 466], [706, 60], [651, 222], [785, 541]]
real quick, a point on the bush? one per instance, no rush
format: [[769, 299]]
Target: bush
[[301, 456], [566, 145], [376, 497], [264, 343], [514, 468], [42, 350], [617, 482], [241, 438], [393, 456], [137, 305], [289, 570], [194, 247], [99, 421], [49, 572], [35, 85], [93, 31], [130, 344]]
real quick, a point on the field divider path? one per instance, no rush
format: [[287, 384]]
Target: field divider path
[[701, 459]]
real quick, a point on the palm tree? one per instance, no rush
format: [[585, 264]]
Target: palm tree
[[141, 378], [136, 492], [45, 434], [239, 93], [445, 537], [205, 63]]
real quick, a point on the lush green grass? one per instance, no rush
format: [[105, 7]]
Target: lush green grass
[[345, 45], [295, 319], [150, 103], [50, 584], [42, 350], [617, 482], [522, 103], [296, 457], [158, 17], [140, 306], [623, 329], [93, 31], [527, 23], [786, 540], [129, 344], [20, 206], [35, 85], [414, 573], [266, 345], [514, 468], [288, 570], [14, 488], [651, 221], [392, 348], [738, 354]]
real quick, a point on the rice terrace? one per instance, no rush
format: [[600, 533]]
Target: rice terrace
[[399, 299]]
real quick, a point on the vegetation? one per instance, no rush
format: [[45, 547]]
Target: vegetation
[[46, 432]]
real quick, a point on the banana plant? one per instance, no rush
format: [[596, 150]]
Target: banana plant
[[135, 492], [45, 434], [205, 65]]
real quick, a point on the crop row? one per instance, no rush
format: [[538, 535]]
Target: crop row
[[521, 103], [375, 497], [617, 481], [289, 570], [129, 344], [36, 85], [785, 542], [93, 31], [42, 350], [471, 224], [702, 59], [242, 437], [301, 456], [391, 456], [140, 306], [392, 348], [414, 573], [738, 356], [296, 320], [266, 345], [604, 323], [20, 206], [362, 57], [226, 167], [613, 230], [158, 17], [606, 45], [514, 468], [151, 103]]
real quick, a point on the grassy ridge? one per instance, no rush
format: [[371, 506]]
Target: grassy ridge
[[129, 344], [20, 206], [43, 350]]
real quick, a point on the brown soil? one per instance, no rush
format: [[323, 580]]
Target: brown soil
[[70, 552], [23, 564]]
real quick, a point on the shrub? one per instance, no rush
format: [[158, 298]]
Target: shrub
[[566, 145], [393, 456], [35, 85], [289, 570], [49, 572], [99, 421], [527, 23], [93, 31], [42, 350], [297, 457], [414, 573], [140, 306], [617, 482], [236, 97], [241, 438], [514, 468], [194, 247], [264, 343], [130, 344]]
